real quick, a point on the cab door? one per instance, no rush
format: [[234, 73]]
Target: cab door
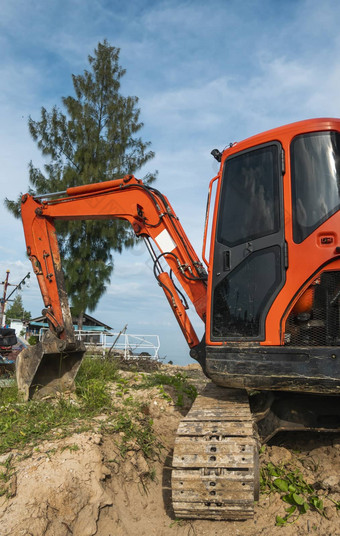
[[249, 249]]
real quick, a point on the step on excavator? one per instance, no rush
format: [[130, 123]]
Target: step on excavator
[[269, 299]]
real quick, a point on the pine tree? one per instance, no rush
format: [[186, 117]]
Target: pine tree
[[94, 140], [16, 310]]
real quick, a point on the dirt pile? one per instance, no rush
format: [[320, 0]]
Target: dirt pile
[[58, 490], [83, 486]]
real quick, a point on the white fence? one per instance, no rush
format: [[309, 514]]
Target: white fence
[[124, 343]]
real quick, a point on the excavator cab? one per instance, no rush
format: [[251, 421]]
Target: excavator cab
[[274, 312]]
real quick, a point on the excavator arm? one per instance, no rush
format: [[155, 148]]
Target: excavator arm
[[152, 218]]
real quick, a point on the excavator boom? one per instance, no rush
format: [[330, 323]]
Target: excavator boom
[[54, 362]]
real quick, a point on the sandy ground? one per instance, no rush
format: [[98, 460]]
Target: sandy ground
[[81, 486]]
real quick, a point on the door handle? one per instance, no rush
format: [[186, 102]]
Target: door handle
[[226, 261]]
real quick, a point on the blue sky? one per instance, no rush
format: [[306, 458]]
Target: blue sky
[[206, 74]]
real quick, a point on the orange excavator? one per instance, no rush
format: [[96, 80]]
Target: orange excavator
[[269, 300]]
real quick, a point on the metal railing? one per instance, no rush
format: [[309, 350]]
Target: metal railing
[[126, 344]]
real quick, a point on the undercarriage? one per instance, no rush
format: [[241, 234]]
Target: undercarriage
[[215, 462]]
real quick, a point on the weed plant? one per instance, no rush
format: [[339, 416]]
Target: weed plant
[[6, 472], [135, 432], [294, 490]]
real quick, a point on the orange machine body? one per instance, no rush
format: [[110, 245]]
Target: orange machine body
[[270, 299], [303, 260], [306, 259]]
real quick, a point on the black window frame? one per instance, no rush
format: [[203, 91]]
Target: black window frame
[[228, 258]]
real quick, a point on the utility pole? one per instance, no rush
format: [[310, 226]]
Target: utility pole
[[5, 298]]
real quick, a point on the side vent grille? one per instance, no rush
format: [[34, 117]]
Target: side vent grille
[[315, 318]]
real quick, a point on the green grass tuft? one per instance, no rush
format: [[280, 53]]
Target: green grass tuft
[[23, 424], [179, 381]]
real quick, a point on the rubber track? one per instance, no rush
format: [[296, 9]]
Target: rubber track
[[215, 460]]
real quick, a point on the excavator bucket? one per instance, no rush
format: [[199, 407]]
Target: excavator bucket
[[48, 367]]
